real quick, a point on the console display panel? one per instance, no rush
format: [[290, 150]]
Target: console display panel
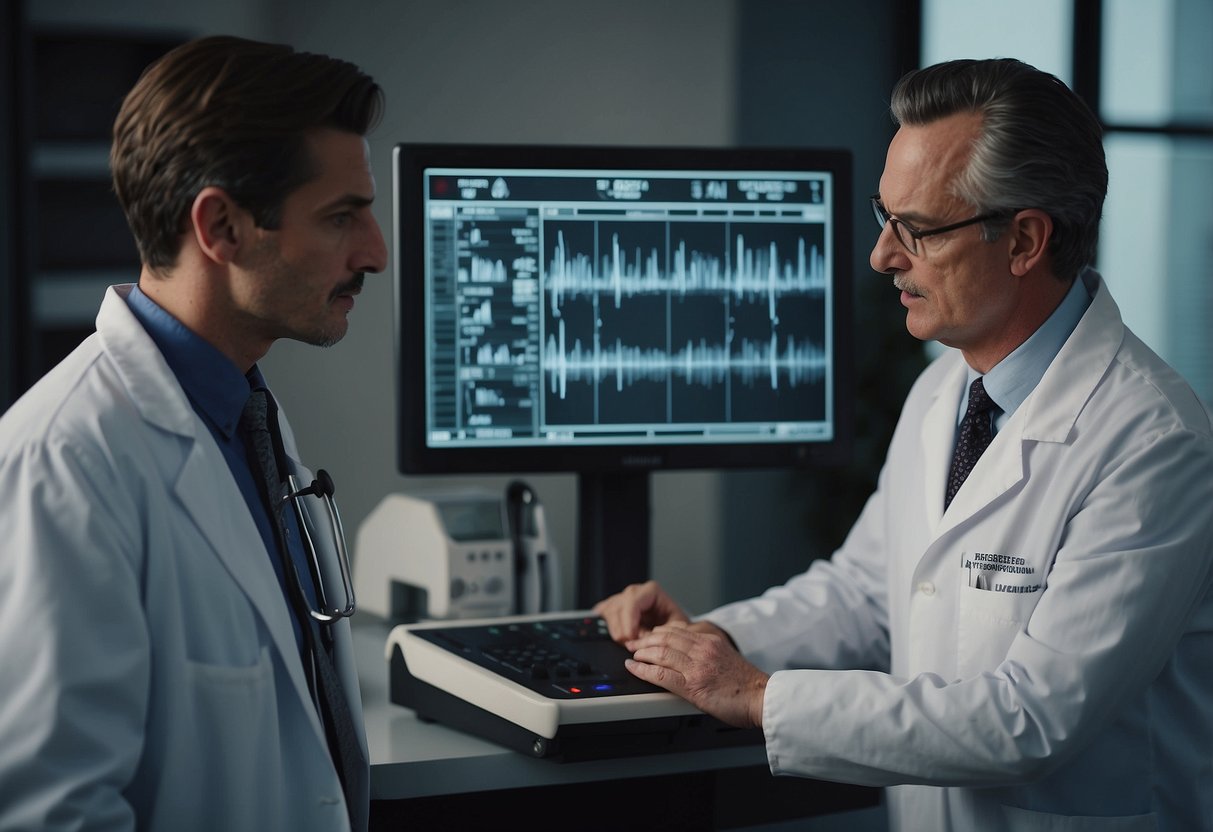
[[580, 309]]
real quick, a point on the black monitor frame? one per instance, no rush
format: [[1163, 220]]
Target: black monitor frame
[[613, 479]]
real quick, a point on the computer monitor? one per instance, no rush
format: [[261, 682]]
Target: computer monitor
[[618, 311]]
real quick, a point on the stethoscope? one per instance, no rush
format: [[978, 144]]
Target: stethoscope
[[322, 486]]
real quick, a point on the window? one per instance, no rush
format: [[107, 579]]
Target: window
[[1148, 67]]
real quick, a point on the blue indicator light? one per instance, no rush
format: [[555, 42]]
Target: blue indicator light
[[603, 687]]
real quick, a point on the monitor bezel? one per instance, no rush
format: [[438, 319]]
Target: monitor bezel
[[415, 456]]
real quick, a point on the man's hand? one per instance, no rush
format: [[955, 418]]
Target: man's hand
[[699, 663], [637, 610]]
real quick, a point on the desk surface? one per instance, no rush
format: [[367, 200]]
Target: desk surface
[[411, 758]]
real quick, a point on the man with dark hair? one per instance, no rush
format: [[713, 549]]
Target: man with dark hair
[[1018, 631], [174, 654]]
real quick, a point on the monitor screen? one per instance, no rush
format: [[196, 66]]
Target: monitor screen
[[608, 309]]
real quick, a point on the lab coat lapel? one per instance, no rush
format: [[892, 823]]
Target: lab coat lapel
[[1070, 381], [222, 517], [1000, 467], [938, 435], [998, 470], [1049, 413], [204, 485]]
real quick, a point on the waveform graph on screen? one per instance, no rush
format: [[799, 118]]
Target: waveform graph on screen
[[492, 342], [672, 322]]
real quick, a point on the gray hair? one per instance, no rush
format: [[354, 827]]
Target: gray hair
[[1040, 147]]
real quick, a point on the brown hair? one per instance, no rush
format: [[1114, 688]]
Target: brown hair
[[232, 113]]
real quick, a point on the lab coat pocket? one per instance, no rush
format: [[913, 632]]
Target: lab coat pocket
[[230, 717], [230, 639], [224, 690], [987, 623]]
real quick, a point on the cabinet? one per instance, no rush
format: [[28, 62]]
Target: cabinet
[[77, 238]]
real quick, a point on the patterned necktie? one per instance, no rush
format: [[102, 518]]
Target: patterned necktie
[[329, 694], [975, 434]]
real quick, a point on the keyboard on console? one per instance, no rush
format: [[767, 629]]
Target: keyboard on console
[[551, 685], [565, 658]]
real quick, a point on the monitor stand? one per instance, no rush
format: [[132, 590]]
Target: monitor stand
[[613, 532]]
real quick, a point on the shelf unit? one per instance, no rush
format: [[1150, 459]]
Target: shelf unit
[[76, 236]]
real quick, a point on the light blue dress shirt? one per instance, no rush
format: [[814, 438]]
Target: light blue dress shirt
[[1012, 380]]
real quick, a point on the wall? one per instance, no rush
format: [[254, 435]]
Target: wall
[[234, 17]]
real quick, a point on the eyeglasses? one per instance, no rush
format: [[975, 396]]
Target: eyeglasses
[[322, 487], [909, 236]]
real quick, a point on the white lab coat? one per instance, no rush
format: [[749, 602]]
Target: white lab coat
[[1081, 697], [149, 675]]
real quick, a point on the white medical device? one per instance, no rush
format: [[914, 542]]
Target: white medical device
[[440, 556], [459, 554]]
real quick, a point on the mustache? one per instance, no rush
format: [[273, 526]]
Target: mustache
[[350, 287], [904, 284]]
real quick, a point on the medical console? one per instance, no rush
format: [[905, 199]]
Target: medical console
[[549, 685]]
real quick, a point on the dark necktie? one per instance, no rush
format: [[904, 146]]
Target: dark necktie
[[323, 679], [975, 434]]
